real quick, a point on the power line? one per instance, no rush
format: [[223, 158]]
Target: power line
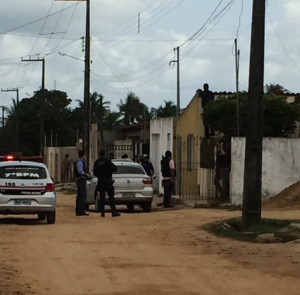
[[281, 43], [35, 21]]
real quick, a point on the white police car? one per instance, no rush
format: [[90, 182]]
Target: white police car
[[27, 188]]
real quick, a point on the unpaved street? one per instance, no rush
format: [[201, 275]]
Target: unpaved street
[[163, 252]]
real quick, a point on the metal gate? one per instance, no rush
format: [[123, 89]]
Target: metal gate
[[196, 168], [117, 151]]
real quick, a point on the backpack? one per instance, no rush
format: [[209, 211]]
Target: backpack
[[165, 168]]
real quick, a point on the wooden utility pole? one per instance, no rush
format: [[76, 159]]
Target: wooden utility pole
[[253, 156]]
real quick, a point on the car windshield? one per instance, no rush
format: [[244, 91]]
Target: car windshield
[[123, 169], [22, 172]]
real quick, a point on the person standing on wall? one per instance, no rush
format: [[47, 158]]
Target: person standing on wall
[[81, 176], [169, 173], [207, 96], [223, 162], [103, 170]]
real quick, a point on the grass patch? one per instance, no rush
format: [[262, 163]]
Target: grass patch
[[232, 228]]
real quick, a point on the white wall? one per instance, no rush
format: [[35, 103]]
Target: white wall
[[161, 139], [280, 166]]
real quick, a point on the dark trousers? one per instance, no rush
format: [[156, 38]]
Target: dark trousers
[[81, 195], [106, 186], [168, 190], [222, 174]]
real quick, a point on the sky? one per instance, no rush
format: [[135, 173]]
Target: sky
[[132, 47]]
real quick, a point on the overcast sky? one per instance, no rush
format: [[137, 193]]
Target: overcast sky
[[131, 56]]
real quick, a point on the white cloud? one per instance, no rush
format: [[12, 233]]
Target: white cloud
[[125, 60]]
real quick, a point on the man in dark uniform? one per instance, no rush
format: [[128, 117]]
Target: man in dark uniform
[[103, 169], [223, 161], [168, 173]]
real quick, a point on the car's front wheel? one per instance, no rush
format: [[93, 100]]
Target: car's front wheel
[[51, 217], [147, 206]]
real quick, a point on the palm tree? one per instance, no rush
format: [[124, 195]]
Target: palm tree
[[99, 110], [168, 110], [132, 109]]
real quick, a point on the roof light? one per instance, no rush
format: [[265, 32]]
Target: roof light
[[9, 157]]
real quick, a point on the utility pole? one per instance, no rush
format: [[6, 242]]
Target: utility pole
[[41, 95], [87, 101], [237, 68], [178, 81], [253, 156], [12, 90], [178, 156], [43, 67]]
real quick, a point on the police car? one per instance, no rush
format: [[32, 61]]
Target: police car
[[26, 188]]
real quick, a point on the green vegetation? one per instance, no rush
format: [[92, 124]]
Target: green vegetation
[[232, 228], [63, 125], [279, 116]]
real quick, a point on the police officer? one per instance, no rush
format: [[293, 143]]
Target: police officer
[[81, 177], [103, 169]]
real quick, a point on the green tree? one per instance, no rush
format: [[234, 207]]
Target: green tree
[[279, 116], [168, 110], [275, 89], [57, 121], [132, 110]]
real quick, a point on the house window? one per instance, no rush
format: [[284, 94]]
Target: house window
[[189, 152]]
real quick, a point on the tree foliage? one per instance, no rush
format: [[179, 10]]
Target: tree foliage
[[168, 110], [279, 116]]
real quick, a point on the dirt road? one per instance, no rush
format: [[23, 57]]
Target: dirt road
[[163, 252]]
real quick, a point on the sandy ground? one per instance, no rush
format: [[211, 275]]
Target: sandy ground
[[163, 252]]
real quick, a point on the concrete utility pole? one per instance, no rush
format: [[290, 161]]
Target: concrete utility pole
[[237, 68], [41, 96], [43, 68], [253, 157], [178, 81], [87, 99], [12, 90]]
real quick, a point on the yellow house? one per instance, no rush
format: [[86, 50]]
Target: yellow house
[[193, 182]]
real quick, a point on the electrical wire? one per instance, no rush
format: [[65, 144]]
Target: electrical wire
[[281, 43], [35, 21], [214, 20]]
